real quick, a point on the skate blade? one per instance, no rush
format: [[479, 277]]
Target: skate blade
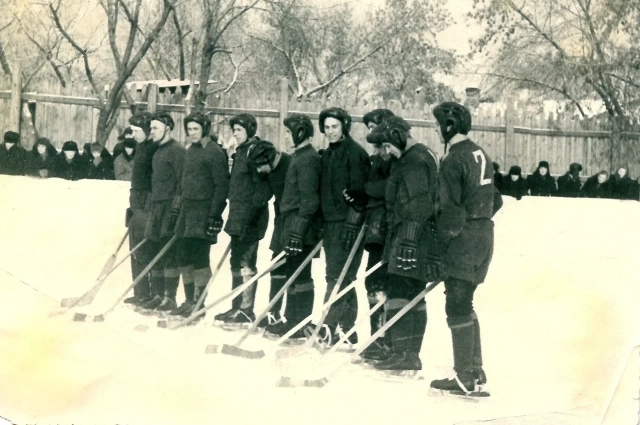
[[472, 397], [293, 342], [236, 327], [399, 376]]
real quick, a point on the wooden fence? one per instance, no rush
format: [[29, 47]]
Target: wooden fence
[[511, 135]]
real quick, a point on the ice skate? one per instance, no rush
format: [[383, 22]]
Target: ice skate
[[148, 308], [183, 311], [269, 320], [325, 338], [401, 366], [461, 385], [240, 321]]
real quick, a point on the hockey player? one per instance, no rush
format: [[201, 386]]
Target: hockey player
[[249, 194], [345, 166], [375, 237], [297, 227], [205, 186], [269, 162], [139, 203], [410, 204], [166, 198], [467, 202]]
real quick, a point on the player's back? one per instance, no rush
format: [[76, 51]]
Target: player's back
[[468, 168]]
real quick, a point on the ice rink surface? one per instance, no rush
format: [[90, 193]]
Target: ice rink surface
[[559, 317]]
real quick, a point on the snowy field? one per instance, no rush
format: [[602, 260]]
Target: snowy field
[[558, 313]]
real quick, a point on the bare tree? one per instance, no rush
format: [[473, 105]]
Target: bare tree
[[125, 60]]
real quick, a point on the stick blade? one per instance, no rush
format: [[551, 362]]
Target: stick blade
[[141, 328], [232, 350], [79, 317], [162, 324], [211, 349], [69, 302], [99, 318]]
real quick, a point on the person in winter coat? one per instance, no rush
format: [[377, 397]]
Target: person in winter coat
[[127, 134], [13, 157], [345, 166], [166, 200], [41, 159], [205, 187], [621, 184], [569, 184], [70, 165], [468, 201], [497, 176], [372, 202], [597, 186], [410, 205], [297, 225], [100, 163], [514, 185], [123, 164], [540, 182], [249, 195]]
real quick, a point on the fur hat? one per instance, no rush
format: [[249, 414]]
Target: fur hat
[[515, 171], [300, 126], [43, 141], [70, 146], [11, 137], [96, 147], [544, 164], [339, 114], [164, 118], [376, 116], [246, 121], [199, 118], [129, 143], [453, 119], [575, 168], [261, 153], [143, 121], [126, 134], [393, 130]]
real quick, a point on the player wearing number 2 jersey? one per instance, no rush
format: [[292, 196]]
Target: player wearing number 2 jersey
[[467, 202]]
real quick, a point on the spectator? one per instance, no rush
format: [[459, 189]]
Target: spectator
[[70, 164], [41, 159], [569, 184], [127, 134], [635, 190], [497, 176], [12, 155], [621, 184], [123, 164], [514, 185], [540, 182], [101, 163], [597, 186]]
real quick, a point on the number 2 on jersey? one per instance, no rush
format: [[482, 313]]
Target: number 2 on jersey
[[483, 165]]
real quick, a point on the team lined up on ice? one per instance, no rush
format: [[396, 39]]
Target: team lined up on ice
[[386, 203], [540, 183]]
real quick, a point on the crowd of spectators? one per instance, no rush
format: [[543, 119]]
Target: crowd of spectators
[[619, 185], [74, 162]]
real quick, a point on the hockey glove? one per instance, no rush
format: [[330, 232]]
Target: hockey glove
[[127, 217], [355, 199], [435, 268], [409, 236], [249, 229], [351, 228], [294, 241], [174, 212], [214, 226]]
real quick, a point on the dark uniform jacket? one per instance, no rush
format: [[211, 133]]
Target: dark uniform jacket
[[375, 189], [76, 169], [301, 196], [104, 169], [277, 181], [249, 195], [141, 174], [345, 165], [410, 198], [12, 161], [167, 163], [205, 187], [37, 162], [467, 202], [540, 185], [568, 186]]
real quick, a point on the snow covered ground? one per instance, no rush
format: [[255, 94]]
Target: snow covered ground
[[558, 313]]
